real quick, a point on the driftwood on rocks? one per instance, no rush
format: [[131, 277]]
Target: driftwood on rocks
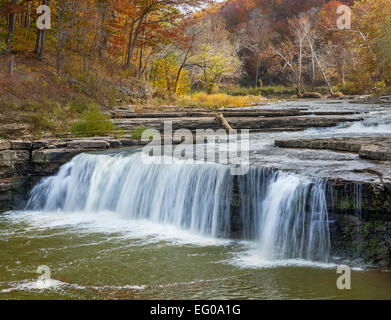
[[224, 123]]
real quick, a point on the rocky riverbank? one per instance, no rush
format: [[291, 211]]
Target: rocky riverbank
[[373, 148], [360, 212], [23, 163], [254, 120]]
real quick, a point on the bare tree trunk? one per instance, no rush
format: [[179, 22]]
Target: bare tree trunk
[[140, 67], [38, 42], [299, 84], [313, 72], [11, 29], [11, 66], [133, 38], [130, 44], [42, 38], [42, 48], [321, 69], [257, 75], [27, 19], [300, 59], [178, 76], [84, 44], [343, 66], [103, 36]]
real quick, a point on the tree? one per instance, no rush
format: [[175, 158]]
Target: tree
[[255, 39], [215, 58], [164, 76]]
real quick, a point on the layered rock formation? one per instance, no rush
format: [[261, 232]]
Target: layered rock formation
[[23, 163]]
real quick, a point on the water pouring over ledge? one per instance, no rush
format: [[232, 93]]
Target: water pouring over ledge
[[284, 214]]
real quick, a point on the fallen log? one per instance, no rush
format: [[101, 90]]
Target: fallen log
[[224, 123]]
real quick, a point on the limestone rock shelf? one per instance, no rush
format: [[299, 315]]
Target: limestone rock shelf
[[251, 123], [373, 148]]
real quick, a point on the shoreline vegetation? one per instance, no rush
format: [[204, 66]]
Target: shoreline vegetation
[[99, 55]]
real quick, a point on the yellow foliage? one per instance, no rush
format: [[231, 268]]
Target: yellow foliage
[[203, 99], [167, 77]]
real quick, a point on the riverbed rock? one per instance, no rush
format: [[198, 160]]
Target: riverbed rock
[[88, 144]]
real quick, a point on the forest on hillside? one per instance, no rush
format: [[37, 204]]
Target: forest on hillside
[[177, 47]]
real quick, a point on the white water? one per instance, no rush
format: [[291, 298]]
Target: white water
[[284, 214]]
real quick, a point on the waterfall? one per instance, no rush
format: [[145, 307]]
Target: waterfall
[[285, 214]]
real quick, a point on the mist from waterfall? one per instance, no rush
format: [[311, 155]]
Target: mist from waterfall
[[284, 214]]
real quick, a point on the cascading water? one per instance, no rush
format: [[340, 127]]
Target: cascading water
[[284, 213]]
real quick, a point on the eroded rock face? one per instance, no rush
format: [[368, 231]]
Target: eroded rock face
[[14, 191], [10, 131], [14, 162], [21, 145], [47, 161], [4, 145], [88, 144]]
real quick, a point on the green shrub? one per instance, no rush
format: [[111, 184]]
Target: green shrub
[[78, 106], [349, 88], [92, 122], [137, 133]]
